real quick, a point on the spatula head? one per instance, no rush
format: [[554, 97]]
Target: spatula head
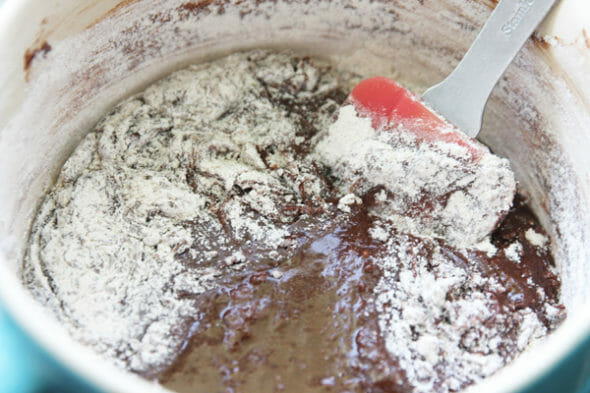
[[388, 104], [433, 179]]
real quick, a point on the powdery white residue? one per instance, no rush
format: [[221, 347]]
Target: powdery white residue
[[379, 233], [485, 246], [536, 239], [514, 251], [175, 170], [435, 316], [107, 272], [347, 201], [436, 319], [435, 188]]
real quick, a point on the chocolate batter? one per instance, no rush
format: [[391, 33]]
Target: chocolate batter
[[195, 238], [313, 327]]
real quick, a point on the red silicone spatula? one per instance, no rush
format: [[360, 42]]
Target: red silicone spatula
[[462, 96]]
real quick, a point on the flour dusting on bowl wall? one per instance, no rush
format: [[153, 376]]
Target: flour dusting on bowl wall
[[208, 232]]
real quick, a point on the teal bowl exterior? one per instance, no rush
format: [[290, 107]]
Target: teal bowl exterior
[[25, 367]]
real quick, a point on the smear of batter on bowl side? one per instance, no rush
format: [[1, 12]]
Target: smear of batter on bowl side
[[217, 232]]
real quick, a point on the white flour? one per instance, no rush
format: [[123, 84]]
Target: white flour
[[101, 253], [441, 320], [210, 146], [467, 197]]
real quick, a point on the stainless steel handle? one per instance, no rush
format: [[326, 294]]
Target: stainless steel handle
[[462, 96]]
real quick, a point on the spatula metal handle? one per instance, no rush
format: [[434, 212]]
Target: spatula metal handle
[[462, 96]]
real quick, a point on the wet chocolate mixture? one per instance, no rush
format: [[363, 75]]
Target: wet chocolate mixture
[[272, 284], [307, 321], [313, 328]]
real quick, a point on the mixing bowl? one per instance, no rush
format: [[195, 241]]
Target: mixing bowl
[[63, 63]]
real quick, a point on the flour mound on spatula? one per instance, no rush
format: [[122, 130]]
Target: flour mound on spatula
[[430, 188]]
